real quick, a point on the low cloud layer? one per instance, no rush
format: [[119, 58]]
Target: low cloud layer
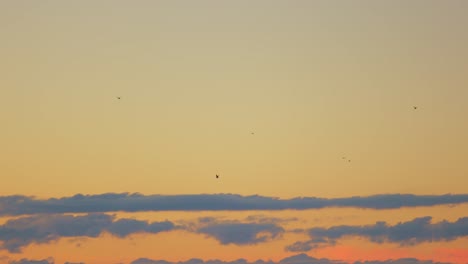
[[44, 228], [298, 259], [18, 233], [112, 202], [31, 261], [409, 233]]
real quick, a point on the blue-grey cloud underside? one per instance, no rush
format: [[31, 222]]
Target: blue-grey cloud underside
[[297, 259], [112, 202], [32, 261], [18, 233], [416, 231]]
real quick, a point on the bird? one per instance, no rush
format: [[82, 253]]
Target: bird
[[217, 176], [118, 97], [349, 160], [252, 133], [415, 107]]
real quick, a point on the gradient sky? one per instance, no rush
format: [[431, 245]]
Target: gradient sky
[[315, 81]]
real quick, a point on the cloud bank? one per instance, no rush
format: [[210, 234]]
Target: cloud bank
[[409, 233], [31, 261], [21, 232], [112, 202], [297, 259], [18, 233]]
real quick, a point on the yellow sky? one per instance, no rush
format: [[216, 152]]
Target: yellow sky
[[315, 81]]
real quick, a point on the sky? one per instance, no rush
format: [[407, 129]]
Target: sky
[[117, 115]]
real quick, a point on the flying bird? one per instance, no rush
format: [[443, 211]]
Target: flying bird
[[415, 107], [118, 97], [217, 176]]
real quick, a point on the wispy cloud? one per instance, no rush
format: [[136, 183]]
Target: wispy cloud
[[42, 261], [111, 202], [31, 261], [242, 233], [17, 233], [413, 232]]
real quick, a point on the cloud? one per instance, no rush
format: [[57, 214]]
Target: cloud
[[413, 232], [302, 246], [29, 261], [266, 219], [20, 232], [253, 229], [242, 233], [111, 202], [43, 261], [44, 228], [305, 259], [297, 259]]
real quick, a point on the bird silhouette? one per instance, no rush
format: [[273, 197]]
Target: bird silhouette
[[415, 107], [217, 176], [118, 97]]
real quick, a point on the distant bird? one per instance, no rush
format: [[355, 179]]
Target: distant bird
[[349, 160], [415, 107], [252, 133], [118, 97], [217, 176]]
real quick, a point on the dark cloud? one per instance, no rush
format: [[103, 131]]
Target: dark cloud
[[111, 202], [305, 259], [44, 261], [44, 228], [20, 232], [413, 232], [252, 230], [297, 259], [301, 246], [242, 233], [29, 261], [125, 227], [270, 220]]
